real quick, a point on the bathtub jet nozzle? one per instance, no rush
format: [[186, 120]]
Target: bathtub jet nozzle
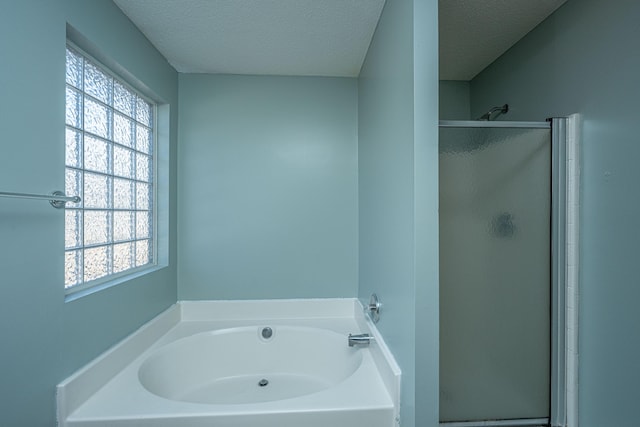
[[361, 340]]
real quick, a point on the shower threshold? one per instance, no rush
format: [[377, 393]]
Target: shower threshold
[[532, 422]]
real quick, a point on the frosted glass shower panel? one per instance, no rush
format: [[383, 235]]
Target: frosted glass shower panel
[[494, 273]]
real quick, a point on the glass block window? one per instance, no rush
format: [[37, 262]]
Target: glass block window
[[109, 164]]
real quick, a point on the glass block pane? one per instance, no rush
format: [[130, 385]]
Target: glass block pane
[[72, 268], [123, 162], [122, 194], [122, 257], [123, 99], [143, 112], [143, 252], [142, 167], [143, 225], [73, 186], [74, 69], [96, 227], [143, 196], [122, 226], [73, 143], [97, 118], [96, 191], [96, 263], [96, 154], [123, 130], [110, 165], [73, 105], [72, 228], [97, 83], [143, 139]]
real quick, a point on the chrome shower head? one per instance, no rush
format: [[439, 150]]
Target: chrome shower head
[[494, 112]]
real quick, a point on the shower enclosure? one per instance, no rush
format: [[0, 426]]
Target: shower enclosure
[[497, 282]]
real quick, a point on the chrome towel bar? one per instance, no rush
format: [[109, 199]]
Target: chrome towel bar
[[57, 198]]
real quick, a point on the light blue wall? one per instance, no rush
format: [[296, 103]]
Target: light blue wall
[[268, 187], [44, 339], [425, 193], [290, 145], [455, 102], [398, 195], [586, 59]]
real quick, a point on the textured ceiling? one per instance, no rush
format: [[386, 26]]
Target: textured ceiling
[[320, 37], [273, 37], [473, 33]]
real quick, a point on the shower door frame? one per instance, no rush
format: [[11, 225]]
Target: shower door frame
[[564, 226]]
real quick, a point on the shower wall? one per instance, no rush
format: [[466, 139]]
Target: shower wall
[[494, 273], [455, 100], [586, 59]]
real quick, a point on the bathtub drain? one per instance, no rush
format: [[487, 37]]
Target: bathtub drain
[[266, 333], [263, 382]]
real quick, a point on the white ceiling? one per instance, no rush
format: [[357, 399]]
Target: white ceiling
[[320, 37], [275, 37]]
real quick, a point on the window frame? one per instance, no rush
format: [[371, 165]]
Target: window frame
[[86, 287]]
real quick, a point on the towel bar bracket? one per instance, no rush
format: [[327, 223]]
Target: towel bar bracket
[[57, 199]]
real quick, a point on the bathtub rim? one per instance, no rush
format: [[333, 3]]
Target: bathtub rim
[[75, 390]]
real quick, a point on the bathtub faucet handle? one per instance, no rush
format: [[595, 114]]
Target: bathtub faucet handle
[[373, 308], [360, 340]]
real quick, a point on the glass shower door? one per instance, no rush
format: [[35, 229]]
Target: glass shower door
[[495, 268]]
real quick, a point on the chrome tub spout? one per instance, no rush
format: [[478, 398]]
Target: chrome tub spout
[[360, 340]]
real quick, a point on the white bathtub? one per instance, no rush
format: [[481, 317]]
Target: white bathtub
[[208, 364]]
